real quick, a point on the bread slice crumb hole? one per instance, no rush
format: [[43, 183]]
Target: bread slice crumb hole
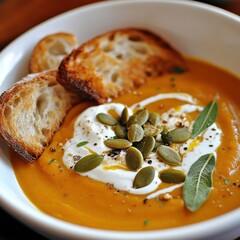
[[114, 77], [45, 132], [58, 48], [16, 100], [89, 49], [41, 104], [50, 114], [107, 48], [43, 143], [7, 112], [135, 38], [119, 56], [22, 94], [140, 49], [52, 84]]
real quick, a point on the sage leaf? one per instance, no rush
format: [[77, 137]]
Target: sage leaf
[[205, 119], [198, 182], [82, 143]]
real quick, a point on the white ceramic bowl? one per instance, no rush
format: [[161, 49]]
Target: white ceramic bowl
[[196, 29]]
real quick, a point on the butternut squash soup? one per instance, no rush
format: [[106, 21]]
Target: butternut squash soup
[[162, 156]]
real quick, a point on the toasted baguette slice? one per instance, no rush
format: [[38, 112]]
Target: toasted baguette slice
[[50, 50], [31, 111], [116, 62]]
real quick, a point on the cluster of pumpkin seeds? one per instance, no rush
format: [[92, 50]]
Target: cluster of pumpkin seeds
[[137, 135]]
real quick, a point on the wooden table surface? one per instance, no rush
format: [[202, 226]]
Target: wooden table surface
[[18, 16]]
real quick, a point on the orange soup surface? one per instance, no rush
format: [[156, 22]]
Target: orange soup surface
[[64, 194]]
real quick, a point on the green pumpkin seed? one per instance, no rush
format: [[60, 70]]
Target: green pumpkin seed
[[132, 120], [150, 130], [124, 116], [88, 163], [144, 177], [172, 176], [106, 119], [120, 131], [134, 159], [179, 135], [167, 139], [135, 133], [140, 117], [154, 118], [146, 146], [157, 144], [168, 155], [117, 143]]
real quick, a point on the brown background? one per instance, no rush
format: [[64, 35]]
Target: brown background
[[18, 16]]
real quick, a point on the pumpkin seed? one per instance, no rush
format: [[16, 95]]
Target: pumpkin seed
[[140, 117], [88, 163], [117, 143], [106, 119], [154, 118], [146, 146], [134, 159], [151, 130], [124, 116], [178, 135], [172, 176], [168, 155], [144, 177], [132, 120], [157, 144], [135, 133], [167, 139], [120, 131]]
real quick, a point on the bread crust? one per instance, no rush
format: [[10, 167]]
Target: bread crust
[[31, 111], [105, 67], [50, 50], [116, 62]]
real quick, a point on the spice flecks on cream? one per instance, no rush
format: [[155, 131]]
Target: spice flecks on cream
[[113, 168]]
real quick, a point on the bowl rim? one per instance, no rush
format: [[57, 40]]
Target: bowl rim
[[44, 223]]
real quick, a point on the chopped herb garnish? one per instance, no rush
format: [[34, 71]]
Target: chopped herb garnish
[[114, 137], [146, 222], [172, 80], [226, 181], [82, 143], [158, 88], [51, 161], [178, 70]]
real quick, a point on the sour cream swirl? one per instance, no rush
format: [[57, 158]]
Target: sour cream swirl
[[113, 169]]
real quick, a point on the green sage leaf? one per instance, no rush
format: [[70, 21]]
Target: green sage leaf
[[82, 143], [205, 119], [198, 182]]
